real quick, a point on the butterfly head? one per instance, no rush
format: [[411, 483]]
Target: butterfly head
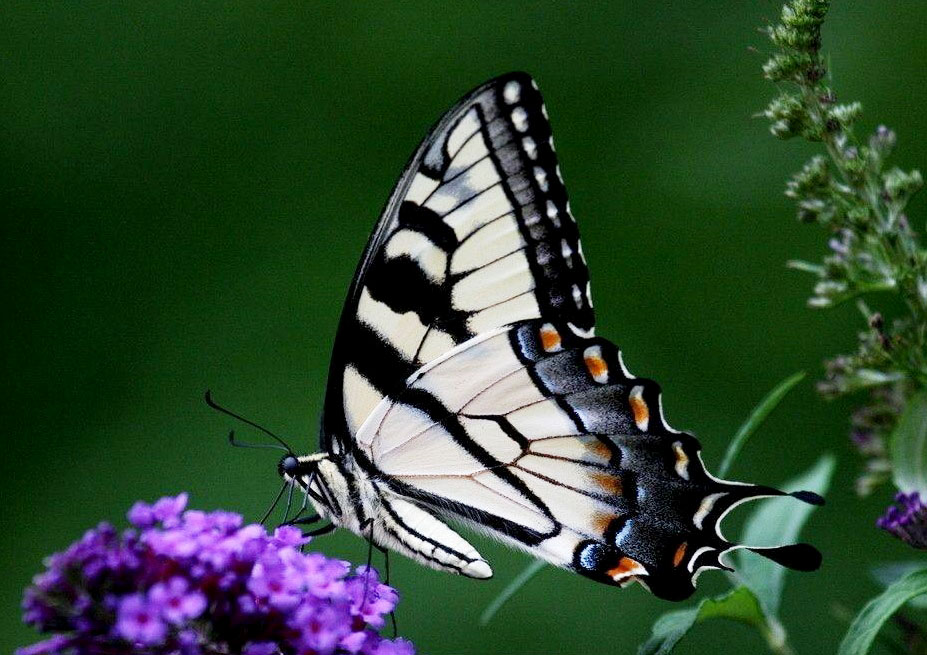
[[289, 467]]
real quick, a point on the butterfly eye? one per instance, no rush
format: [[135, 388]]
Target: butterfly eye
[[289, 466]]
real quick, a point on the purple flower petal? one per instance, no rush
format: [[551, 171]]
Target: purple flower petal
[[177, 604], [260, 648], [140, 515], [394, 647], [906, 520], [168, 510], [138, 621]]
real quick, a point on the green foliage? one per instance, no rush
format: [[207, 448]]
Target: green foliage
[[511, 589], [889, 573], [737, 605], [778, 521], [877, 611], [756, 419], [909, 446]]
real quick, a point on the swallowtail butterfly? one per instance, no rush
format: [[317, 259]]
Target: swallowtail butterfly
[[467, 382]]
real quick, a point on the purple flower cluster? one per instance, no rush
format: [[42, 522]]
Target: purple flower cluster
[[907, 519], [197, 583]]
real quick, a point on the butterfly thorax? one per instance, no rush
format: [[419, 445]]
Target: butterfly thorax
[[333, 486]]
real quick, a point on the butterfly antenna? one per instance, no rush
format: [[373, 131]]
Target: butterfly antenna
[[243, 444], [219, 408], [274, 504]]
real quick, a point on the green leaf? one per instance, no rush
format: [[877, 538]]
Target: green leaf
[[890, 572], [778, 521], [909, 446], [867, 623], [756, 418], [737, 605], [517, 583]]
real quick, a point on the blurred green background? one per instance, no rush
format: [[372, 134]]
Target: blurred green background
[[187, 187]]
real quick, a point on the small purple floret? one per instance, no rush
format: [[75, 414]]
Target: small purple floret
[[907, 519], [187, 582]]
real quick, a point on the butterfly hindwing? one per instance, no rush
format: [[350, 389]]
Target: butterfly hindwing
[[544, 439], [477, 234]]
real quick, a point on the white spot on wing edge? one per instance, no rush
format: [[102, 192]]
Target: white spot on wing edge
[[540, 175], [708, 502], [531, 148], [669, 428], [577, 297], [512, 92], [695, 555], [551, 209], [624, 369], [585, 334], [520, 119]]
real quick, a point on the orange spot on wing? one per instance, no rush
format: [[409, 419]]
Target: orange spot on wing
[[682, 461], [626, 566], [640, 409], [598, 369], [550, 338], [680, 553], [608, 482], [599, 449]]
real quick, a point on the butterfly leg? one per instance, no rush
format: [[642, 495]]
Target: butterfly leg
[[368, 525], [318, 532], [305, 520], [392, 614]]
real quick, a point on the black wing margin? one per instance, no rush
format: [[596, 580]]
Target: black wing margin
[[476, 234]]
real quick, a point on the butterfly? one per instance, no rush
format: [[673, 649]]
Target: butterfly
[[467, 382]]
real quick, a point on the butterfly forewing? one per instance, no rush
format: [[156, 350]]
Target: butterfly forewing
[[477, 234]]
